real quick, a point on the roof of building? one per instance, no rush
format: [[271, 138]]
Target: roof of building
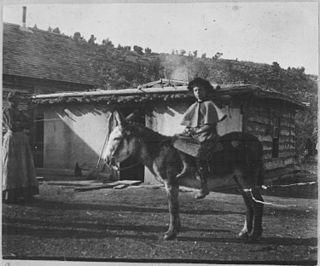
[[162, 89], [41, 54]]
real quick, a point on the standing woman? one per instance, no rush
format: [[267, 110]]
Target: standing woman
[[18, 172]]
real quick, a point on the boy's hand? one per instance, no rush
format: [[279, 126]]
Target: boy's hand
[[190, 131]]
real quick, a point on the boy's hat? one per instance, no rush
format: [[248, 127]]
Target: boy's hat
[[200, 82]]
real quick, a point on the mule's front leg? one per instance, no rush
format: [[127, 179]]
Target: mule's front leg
[[174, 226]]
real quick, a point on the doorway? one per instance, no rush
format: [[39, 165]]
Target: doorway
[[132, 169]]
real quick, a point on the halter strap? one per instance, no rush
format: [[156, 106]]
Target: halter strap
[[127, 167]]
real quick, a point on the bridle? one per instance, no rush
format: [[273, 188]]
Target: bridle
[[113, 165]]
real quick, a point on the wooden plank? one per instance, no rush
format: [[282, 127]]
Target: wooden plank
[[88, 188], [265, 138], [286, 154], [289, 161], [290, 140], [258, 129], [267, 149], [74, 183], [267, 156], [272, 164], [287, 123], [119, 184], [287, 133], [286, 146]]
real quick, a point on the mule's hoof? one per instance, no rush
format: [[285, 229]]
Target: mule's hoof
[[202, 194], [170, 236], [254, 237], [181, 175], [243, 235]]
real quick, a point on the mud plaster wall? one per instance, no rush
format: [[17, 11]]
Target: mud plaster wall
[[74, 133]]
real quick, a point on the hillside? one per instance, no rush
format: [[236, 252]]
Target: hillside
[[123, 67]]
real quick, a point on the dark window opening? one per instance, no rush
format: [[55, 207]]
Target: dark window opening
[[38, 141], [275, 137]]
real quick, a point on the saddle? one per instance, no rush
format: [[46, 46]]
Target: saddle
[[191, 146]]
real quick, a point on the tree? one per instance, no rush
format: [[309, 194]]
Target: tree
[[138, 49], [108, 43], [182, 52], [195, 53], [92, 39], [77, 36], [56, 30], [147, 50], [217, 56]]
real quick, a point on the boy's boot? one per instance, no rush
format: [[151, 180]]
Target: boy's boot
[[204, 191]]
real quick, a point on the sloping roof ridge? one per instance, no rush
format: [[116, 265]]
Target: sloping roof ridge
[[11, 24], [138, 90], [100, 92], [34, 30], [58, 57]]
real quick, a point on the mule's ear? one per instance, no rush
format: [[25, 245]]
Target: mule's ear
[[121, 122]]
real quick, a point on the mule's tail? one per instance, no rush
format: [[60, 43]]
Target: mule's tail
[[261, 173]]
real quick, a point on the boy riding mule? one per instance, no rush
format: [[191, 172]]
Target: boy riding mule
[[239, 158], [201, 120]]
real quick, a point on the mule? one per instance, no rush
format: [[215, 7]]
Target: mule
[[240, 158]]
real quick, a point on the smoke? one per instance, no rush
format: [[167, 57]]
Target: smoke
[[184, 68], [180, 73], [175, 67]]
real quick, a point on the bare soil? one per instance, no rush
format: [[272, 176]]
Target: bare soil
[[128, 225]]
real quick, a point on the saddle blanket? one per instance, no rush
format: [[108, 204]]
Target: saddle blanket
[[190, 145]]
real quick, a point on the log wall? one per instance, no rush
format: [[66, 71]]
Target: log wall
[[259, 120]]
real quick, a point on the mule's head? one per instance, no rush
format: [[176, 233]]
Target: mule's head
[[122, 142]]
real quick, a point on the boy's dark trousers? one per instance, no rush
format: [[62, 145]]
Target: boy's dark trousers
[[202, 161]]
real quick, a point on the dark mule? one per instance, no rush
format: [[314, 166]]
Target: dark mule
[[240, 159]]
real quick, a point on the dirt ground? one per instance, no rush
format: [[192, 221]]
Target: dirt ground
[[128, 225]]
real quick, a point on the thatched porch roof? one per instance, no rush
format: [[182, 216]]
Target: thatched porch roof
[[163, 89]]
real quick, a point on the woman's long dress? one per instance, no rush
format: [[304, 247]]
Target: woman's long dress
[[18, 171]]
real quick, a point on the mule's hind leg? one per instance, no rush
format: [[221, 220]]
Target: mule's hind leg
[[256, 199], [248, 223], [172, 189]]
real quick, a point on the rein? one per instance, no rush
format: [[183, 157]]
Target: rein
[[124, 168]]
